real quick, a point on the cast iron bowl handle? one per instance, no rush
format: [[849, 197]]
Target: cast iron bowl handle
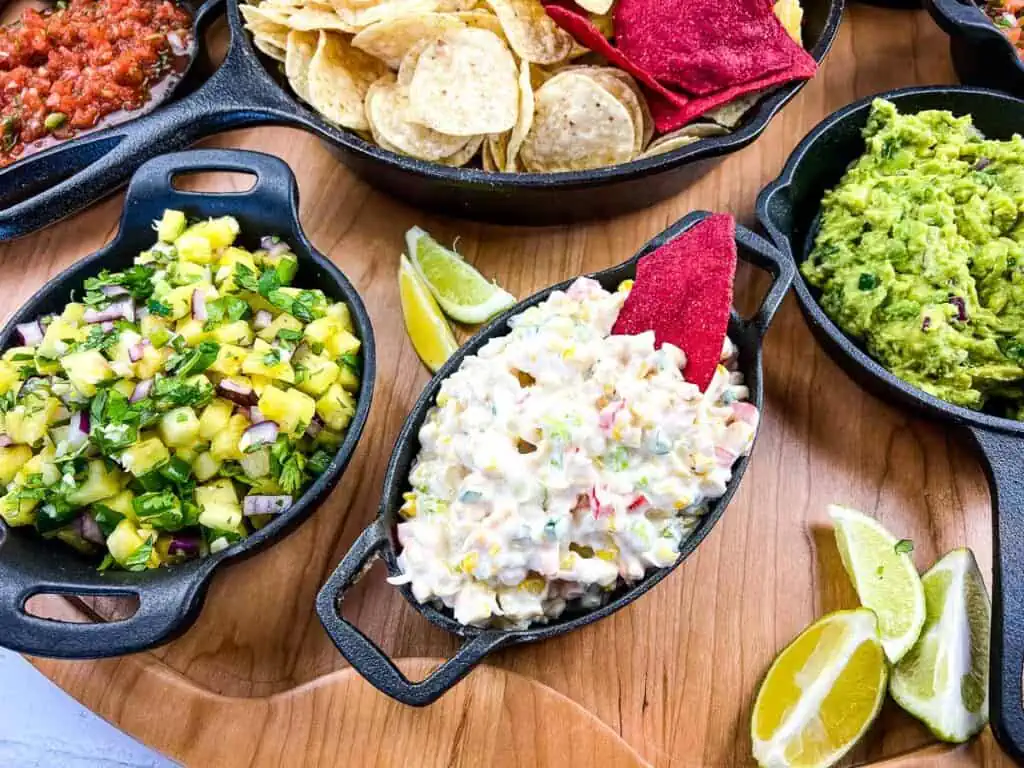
[[238, 94], [151, 190], [166, 608], [962, 18], [762, 254], [366, 657], [1004, 454]]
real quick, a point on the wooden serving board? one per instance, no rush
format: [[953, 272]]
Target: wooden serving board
[[668, 681]]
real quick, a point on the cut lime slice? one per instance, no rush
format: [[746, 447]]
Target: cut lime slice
[[463, 293], [429, 332], [884, 576], [822, 693], [943, 680]]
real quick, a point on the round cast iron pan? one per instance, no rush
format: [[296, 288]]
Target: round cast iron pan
[[39, 175], [788, 209], [981, 54], [379, 539], [169, 598], [248, 89]]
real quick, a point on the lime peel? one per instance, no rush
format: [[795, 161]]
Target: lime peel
[[943, 680], [462, 292]]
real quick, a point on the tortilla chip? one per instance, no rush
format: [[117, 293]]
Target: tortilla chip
[[531, 33], [339, 77], [683, 292]]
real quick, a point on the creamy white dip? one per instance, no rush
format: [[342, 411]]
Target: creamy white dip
[[560, 461]]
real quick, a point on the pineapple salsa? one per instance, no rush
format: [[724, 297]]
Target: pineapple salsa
[[178, 405]]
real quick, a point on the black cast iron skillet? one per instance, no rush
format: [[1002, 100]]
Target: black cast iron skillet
[[40, 174], [248, 89], [379, 539], [981, 53], [788, 209], [169, 598]]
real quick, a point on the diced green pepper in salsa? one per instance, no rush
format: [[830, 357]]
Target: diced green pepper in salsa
[[179, 405]]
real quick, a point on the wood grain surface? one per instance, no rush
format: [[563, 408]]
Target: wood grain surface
[[666, 682]]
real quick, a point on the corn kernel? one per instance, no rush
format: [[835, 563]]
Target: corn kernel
[[625, 285]]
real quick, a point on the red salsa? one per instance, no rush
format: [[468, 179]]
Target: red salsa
[[1008, 15], [63, 70]]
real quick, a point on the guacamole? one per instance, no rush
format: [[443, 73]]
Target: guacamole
[[919, 256]]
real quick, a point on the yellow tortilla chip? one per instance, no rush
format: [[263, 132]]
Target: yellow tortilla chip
[[531, 33], [388, 113], [390, 40], [299, 52], [338, 79]]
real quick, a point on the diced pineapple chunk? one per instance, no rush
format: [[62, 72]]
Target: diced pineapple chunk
[[239, 332], [156, 329], [215, 418], [125, 540], [145, 456], [342, 343], [259, 383], [86, 369], [348, 379], [12, 459], [292, 410], [17, 512], [229, 359], [320, 373], [99, 484], [60, 334], [27, 423], [191, 331], [74, 313], [180, 302], [194, 247], [170, 226], [336, 407], [219, 507], [151, 362], [125, 386], [266, 362], [18, 355], [332, 336], [284, 321], [341, 312], [122, 503], [225, 275], [224, 446], [219, 233], [205, 466], [179, 427], [8, 377]]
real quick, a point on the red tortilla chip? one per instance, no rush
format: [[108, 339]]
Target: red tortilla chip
[[683, 292], [705, 46], [671, 109]]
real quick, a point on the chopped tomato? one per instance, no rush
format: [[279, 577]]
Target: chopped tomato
[[63, 70]]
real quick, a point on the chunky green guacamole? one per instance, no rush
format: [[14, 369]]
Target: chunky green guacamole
[[919, 256]]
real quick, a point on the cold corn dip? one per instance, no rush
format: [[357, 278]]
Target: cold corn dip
[[561, 461]]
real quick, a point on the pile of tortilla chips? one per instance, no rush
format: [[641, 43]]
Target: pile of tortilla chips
[[502, 81]]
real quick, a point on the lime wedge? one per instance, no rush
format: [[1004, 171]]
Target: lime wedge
[[884, 576], [429, 332], [821, 694], [943, 680], [463, 293]]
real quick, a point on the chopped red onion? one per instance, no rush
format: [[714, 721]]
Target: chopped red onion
[[141, 391], [142, 312], [315, 427], [257, 435], [78, 430], [265, 505], [135, 351], [113, 290], [268, 241], [31, 333], [5, 440], [274, 246], [255, 415], [123, 309], [179, 46], [185, 544], [262, 319], [107, 326], [87, 526], [199, 305], [241, 394]]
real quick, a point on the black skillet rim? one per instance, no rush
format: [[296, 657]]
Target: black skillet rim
[[753, 125], [993, 36], [805, 294], [201, 568], [407, 440]]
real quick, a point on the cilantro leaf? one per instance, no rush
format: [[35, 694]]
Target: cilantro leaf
[[159, 308], [904, 547], [139, 559]]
